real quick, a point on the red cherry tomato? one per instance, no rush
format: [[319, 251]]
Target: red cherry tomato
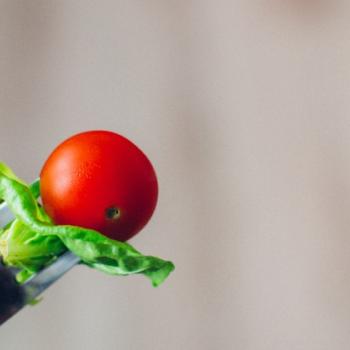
[[102, 181]]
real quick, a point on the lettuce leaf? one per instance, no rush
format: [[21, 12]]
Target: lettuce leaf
[[32, 241]]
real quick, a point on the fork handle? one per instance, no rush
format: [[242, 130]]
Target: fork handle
[[12, 295], [46, 277]]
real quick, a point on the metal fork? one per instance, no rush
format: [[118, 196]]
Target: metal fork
[[30, 290]]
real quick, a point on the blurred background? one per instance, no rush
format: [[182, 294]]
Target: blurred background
[[243, 108]]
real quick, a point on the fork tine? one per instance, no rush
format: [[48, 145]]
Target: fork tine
[[21, 295]]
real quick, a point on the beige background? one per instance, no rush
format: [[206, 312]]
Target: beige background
[[243, 107]]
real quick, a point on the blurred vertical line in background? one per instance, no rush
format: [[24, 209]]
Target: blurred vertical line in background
[[27, 35]]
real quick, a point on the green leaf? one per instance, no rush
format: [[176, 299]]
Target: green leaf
[[32, 241], [4, 169], [28, 250]]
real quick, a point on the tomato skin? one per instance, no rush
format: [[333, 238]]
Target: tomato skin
[[102, 181]]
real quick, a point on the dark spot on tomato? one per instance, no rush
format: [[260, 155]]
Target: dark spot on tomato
[[112, 213]]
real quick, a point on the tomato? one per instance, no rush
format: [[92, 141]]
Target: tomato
[[102, 181]]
